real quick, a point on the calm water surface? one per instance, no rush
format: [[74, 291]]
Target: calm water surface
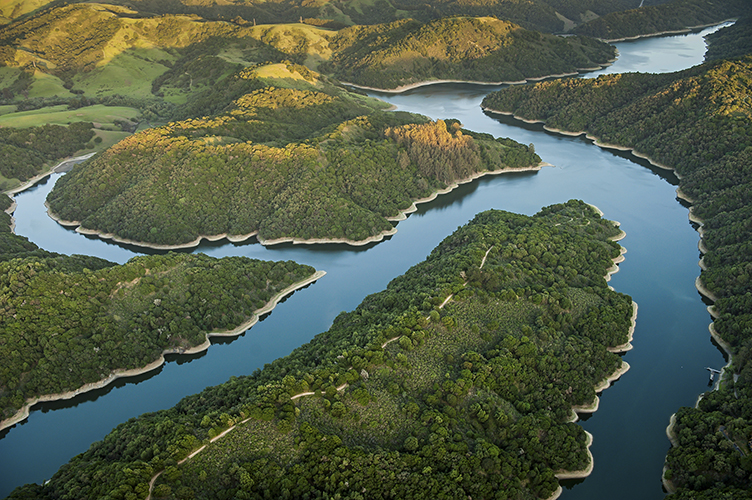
[[672, 343]]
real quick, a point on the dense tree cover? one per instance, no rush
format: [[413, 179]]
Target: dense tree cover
[[670, 16], [70, 321], [698, 121], [731, 42], [460, 48], [405, 399], [26, 152], [315, 162]]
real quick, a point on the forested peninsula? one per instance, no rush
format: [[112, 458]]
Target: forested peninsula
[[69, 324], [670, 17], [457, 380], [698, 122], [73, 323], [485, 49], [311, 163]]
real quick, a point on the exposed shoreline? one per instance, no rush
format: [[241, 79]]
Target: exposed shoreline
[[684, 30], [602, 386], [577, 474], [624, 367], [9, 211], [33, 181], [589, 136], [606, 382], [627, 346], [402, 215], [23, 413], [57, 168], [674, 439], [411, 86]]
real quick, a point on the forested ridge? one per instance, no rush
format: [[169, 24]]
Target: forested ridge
[[480, 49], [403, 398], [675, 15], [698, 121], [312, 162], [68, 321]]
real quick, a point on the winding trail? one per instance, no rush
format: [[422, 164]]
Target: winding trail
[[585, 409], [293, 398]]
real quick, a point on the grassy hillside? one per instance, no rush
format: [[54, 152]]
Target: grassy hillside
[[100, 50], [478, 49], [13, 9], [458, 380], [699, 122]]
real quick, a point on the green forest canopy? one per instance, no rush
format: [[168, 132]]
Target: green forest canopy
[[67, 321], [408, 399], [698, 121], [312, 162], [71, 321]]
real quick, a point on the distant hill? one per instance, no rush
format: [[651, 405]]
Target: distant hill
[[676, 15], [731, 42], [544, 15], [459, 48]]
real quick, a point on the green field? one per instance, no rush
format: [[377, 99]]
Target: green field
[[99, 114], [46, 85], [129, 73]]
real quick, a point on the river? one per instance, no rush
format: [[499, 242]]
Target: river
[[672, 345]]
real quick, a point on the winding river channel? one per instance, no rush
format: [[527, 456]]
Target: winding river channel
[[672, 345]]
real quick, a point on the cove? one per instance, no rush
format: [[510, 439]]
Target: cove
[[671, 342]]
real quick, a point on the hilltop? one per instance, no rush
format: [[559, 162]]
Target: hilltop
[[309, 163], [543, 15], [669, 17], [401, 53]]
